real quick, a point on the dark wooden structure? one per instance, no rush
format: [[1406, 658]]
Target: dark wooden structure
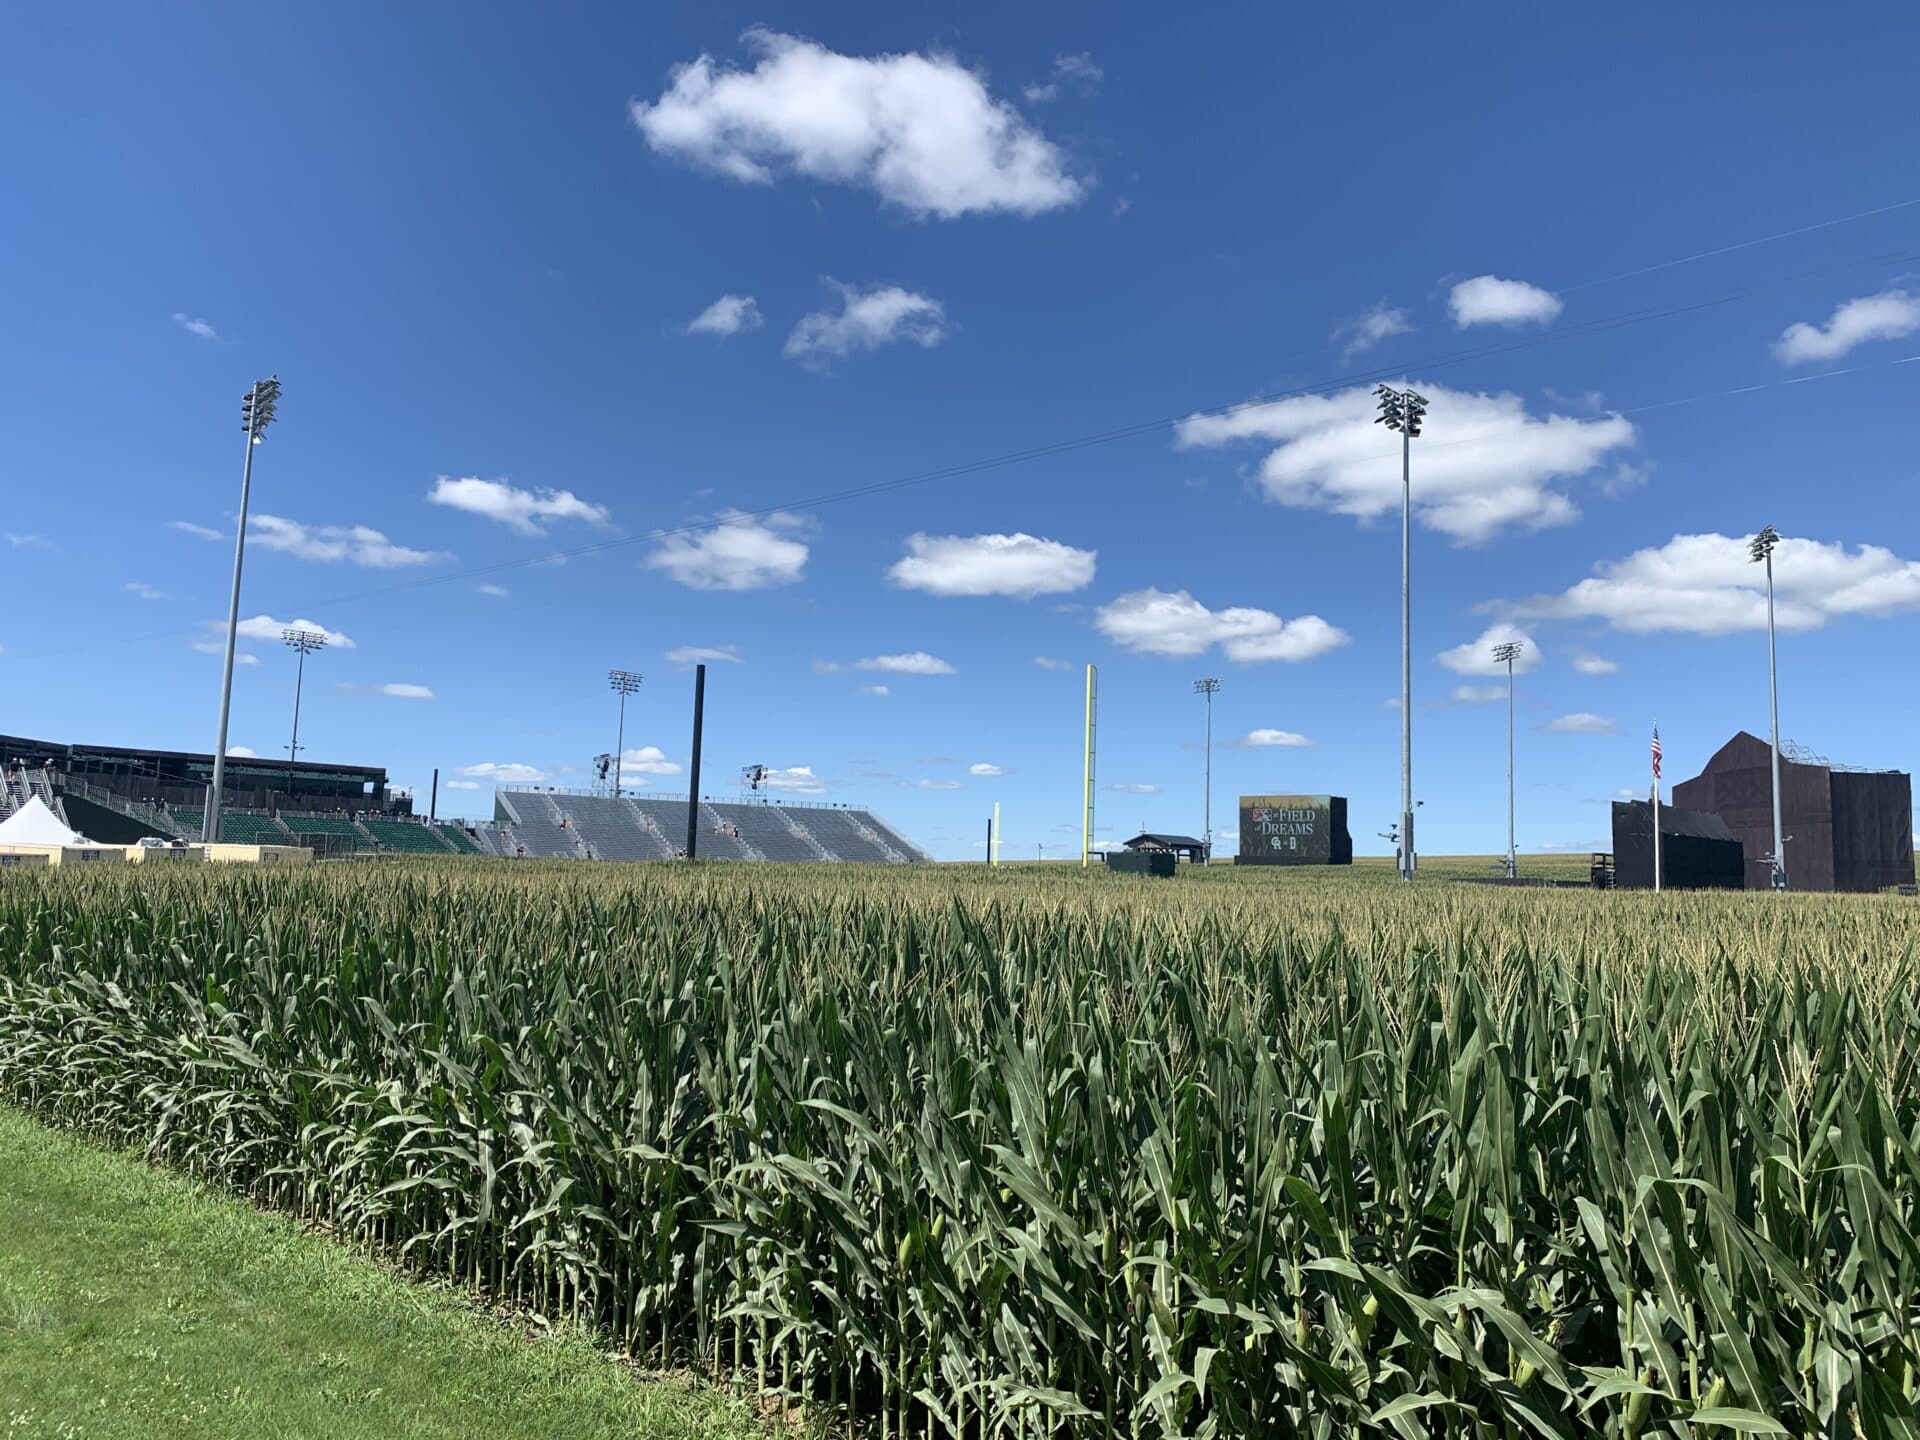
[[1697, 851], [1181, 847], [1845, 829], [1161, 863]]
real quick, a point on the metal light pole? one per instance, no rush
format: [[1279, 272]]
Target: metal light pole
[[1403, 410], [624, 683], [306, 642], [1506, 654], [1761, 551], [1208, 688], [256, 413]]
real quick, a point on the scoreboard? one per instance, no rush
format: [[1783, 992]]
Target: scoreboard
[[1294, 830]]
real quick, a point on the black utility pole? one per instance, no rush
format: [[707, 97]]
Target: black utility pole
[[693, 776], [433, 796]]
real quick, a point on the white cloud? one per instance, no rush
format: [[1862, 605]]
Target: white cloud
[[739, 553], [1707, 585], [187, 527], [985, 771], [195, 326], [685, 657], [825, 667], [1259, 739], [939, 784], [1582, 723], [916, 662], [521, 510], [1079, 73], [794, 780], [874, 692], [920, 130], [219, 647], [510, 773], [1479, 694], [1369, 328], [356, 544], [1475, 657], [1046, 663], [1482, 463], [144, 590], [1155, 622], [1135, 789], [1489, 300], [401, 690], [1019, 565], [497, 592], [239, 752], [30, 542], [729, 315], [1887, 316], [463, 784], [1588, 663], [647, 760], [265, 627], [866, 320]]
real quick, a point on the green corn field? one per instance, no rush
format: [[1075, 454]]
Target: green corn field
[[1036, 1153]]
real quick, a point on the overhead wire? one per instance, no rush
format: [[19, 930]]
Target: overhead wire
[[1136, 429]]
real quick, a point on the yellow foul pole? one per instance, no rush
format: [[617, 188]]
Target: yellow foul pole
[[1086, 808]]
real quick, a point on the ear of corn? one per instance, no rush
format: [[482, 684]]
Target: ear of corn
[[974, 1155]]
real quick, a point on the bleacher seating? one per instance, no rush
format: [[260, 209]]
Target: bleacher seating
[[187, 819], [326, 832], [551, 824], [890, 836], [243, 827], [764, 828], [837, 830], [542, 830], [458, 838], [612, 829], [409, 837], [721, 838]]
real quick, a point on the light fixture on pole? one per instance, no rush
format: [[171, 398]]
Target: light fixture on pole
[[1505, 654], [1403, 410], [306, 642], [256, 413], [624, 683], [1761, 552], [1209, 688]]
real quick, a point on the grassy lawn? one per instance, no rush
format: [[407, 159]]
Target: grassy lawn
[[134, 1303]]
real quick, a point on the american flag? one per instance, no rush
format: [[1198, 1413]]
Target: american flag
[[1656, 752]]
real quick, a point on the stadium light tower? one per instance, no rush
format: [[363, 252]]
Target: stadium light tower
[[1403, 410], [256, 413], [306, 642], [1761, 551], [1209, 688], [625, 683], [1506, 654]]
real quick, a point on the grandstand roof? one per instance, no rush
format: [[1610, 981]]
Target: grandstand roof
[[17, 747]]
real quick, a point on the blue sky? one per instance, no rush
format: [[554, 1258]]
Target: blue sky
[[539, 283]]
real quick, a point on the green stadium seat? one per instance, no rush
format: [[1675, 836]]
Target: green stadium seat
[[406, 836]]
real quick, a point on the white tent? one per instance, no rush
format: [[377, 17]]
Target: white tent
[[34, 824]]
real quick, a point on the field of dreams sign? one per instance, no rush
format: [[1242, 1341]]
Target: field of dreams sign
[[1294, 830]]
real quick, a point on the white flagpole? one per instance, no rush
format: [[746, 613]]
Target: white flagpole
[[1656, 826]]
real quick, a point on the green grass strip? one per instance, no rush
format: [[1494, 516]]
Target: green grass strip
[[136, 1303]]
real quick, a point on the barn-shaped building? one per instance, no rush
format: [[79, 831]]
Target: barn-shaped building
[[1845, 829]]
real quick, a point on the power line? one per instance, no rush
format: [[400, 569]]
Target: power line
[[1741, 245], [1110, 436], [1131, 431], [1645, 407]]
